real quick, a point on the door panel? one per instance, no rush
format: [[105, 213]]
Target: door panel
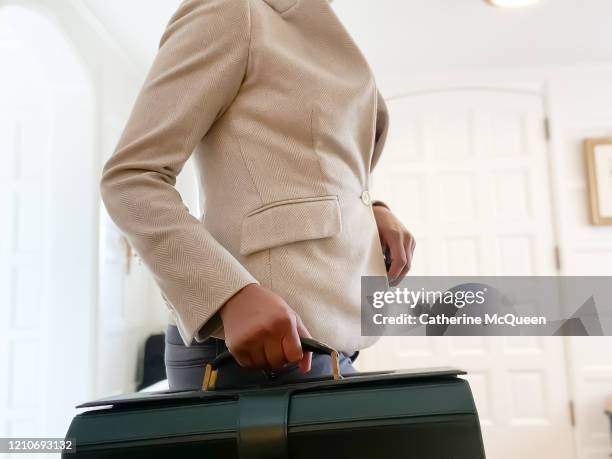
[[23, 249], [467, 173]]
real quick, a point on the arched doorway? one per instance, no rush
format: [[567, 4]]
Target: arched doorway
[[48, 239]]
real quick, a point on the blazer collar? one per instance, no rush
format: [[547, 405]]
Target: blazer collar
[[281, 6]]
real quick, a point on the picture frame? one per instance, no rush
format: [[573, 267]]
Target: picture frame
[[598, 156]]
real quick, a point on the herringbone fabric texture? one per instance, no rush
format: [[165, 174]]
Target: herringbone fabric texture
[[281, 112]]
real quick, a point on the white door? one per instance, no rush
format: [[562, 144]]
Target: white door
[[47, 228], [467, 172], [23, 247]]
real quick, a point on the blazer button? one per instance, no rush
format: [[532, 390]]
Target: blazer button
[[366, 198]]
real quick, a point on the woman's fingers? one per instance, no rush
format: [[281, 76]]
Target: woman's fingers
[[261, 328], [395, 243], [397, 240], [258, 357], [403, 245], [243, 359], [408, 247], [306, 361], [275, 355]]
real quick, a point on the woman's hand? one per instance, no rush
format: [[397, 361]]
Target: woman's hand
[[395, 239], [262, 331]]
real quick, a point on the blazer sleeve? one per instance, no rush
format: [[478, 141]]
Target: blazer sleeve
[[380, 136], [199, 68], [382, 127]]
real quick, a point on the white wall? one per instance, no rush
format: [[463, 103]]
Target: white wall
[[581, 102], [415, 36]]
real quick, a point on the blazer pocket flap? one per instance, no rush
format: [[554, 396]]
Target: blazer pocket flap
[[290, 221]]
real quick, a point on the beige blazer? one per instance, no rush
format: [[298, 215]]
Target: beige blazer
[[282, 113]]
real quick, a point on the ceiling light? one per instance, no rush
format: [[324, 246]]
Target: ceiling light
[[512, 3]]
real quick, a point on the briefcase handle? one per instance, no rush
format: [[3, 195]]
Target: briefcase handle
[[308, 344]]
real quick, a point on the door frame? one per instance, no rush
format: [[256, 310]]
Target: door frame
[[532, 82]]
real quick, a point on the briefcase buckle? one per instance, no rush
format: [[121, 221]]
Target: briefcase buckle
[[210, 378]]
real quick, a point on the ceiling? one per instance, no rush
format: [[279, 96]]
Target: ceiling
[[420, 35]]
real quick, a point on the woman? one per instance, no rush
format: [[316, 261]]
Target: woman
[[286, 122]]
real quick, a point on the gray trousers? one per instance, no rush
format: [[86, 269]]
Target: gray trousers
[[185, 366]]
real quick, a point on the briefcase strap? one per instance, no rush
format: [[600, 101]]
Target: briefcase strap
[[262, 424]]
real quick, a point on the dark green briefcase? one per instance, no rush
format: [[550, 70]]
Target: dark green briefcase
[[424, 414]]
